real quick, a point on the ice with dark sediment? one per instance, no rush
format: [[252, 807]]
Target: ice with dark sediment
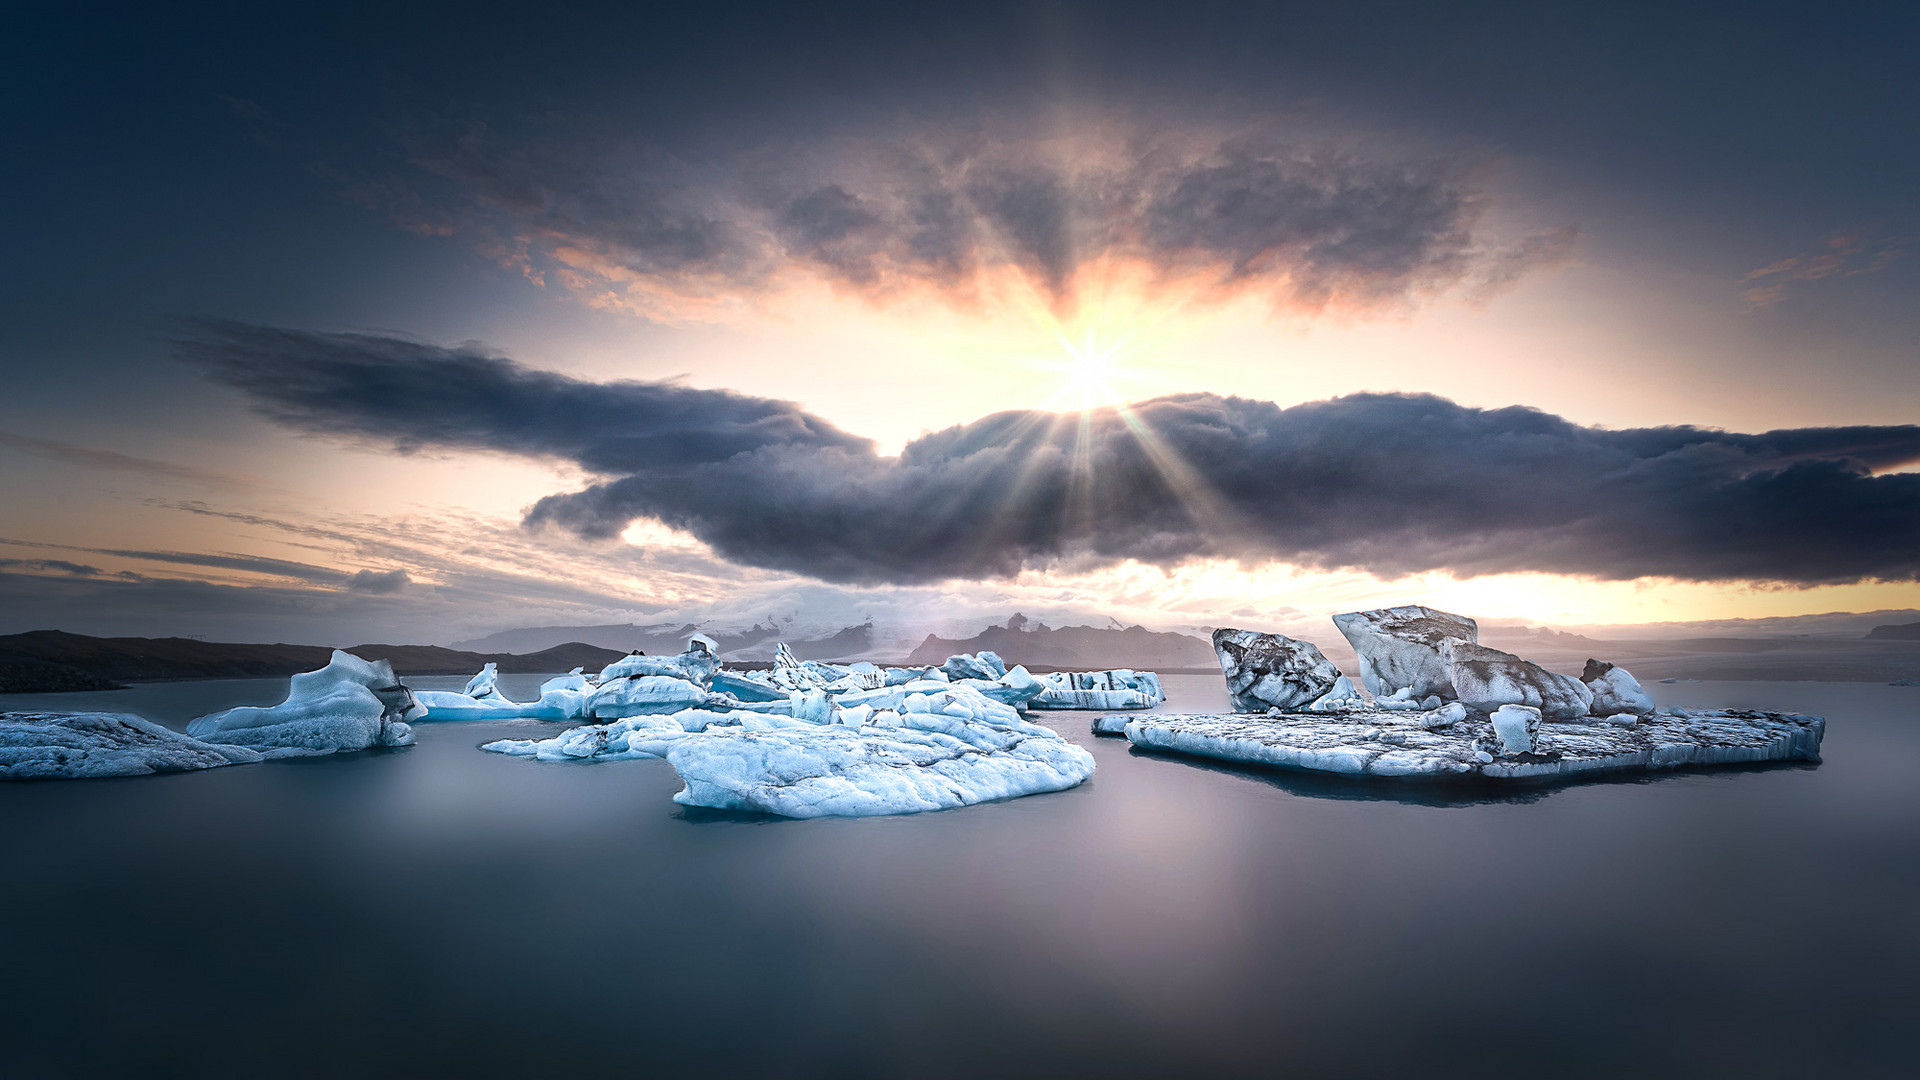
[[1271, 671], [1486, 679], [1615, 690], [1116, 688], [1400, 648]]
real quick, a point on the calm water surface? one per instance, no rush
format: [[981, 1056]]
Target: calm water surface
[[438, 910]]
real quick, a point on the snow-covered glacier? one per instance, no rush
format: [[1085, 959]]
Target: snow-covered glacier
[[935, 746]]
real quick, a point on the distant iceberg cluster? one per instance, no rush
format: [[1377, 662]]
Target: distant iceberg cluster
[[1433, 701], [808, 739]]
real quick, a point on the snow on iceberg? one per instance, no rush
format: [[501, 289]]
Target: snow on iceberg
[[348, 705], [943, 746], [1117, 688], [1402, 744], [84, 746]]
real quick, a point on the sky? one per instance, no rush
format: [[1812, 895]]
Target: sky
[[355, 323]]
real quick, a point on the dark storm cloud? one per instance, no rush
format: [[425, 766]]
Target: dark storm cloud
[[1389, 483], [379, 582], [1303, 223], [423, 395]]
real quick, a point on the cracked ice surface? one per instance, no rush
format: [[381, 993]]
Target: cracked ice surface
[[1397, 743], [948, 748], [85, 746]]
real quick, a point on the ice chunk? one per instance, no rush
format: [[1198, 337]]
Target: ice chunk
[[1380, 744], [1268, 671], [643, 695], [1614, 690], [950, 749], [1342, 695], [80, 746], [696, 665], [982, 665], [1399, 647], [486, 684], [1118, 688], [626, 739], [348, 705], [1517, 726], [1486, 679], [944, 746]]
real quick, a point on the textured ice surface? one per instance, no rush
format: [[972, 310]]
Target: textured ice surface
[[348, 705], [936, 746], [1397, 744], [77, 746], [1269, 671], [1400, 648], [1118, 688], [1486, 679]]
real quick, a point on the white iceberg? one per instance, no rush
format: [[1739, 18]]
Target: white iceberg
[[1615, 690], [348, 705], [1400, 648], [644, 695], [1269, 671], [943, 746], [1402, 745], [1117, 688], [84, 746]]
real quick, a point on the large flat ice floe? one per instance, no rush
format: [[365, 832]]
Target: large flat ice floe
[[935, 746], [86, 746], [1452, 742]]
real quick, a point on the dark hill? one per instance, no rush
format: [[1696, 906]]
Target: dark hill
[[1897, 632], [52, 660]]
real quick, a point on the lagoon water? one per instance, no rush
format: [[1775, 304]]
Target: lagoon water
[[437, 910]]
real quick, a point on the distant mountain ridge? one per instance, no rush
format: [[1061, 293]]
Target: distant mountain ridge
[[1075, 647], [53, 660], [1897, 632], [757, 642]]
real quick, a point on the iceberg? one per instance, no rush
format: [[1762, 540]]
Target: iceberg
[[936, 746], [1118, 688], [350, 704], [1614, 690], [85, 746], [642, 695], [1400, 648], [1268, 671], [1485, 679], [1390, 744], [985, 665]]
